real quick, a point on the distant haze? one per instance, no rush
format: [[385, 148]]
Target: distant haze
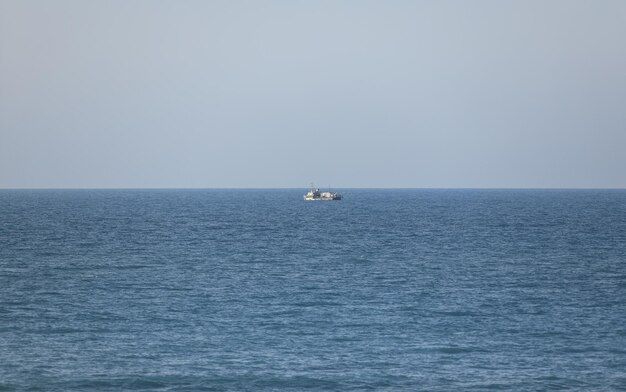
[[281, 93]]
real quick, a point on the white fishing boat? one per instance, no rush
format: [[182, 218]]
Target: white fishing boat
[[315, 194]]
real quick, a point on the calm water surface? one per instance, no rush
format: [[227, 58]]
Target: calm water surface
[[260, 290]]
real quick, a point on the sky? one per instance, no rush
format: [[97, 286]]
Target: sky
[[346, 93]]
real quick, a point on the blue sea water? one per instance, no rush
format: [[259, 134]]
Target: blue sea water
[[260, 290]]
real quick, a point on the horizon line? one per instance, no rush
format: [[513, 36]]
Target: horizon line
[[290, 188]]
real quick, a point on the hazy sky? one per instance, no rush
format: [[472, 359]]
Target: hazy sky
[[281, 93]]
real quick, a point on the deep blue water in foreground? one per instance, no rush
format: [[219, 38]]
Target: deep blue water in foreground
[[260, 290]]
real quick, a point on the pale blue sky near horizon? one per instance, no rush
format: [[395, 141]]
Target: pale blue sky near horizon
[[351, 93]]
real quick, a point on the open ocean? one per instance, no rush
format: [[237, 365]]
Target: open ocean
[[259, 290]]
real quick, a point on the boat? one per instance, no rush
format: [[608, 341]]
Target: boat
[[315, 194]]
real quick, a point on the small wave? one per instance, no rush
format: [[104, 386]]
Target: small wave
[[286, 312], [458, 350], [307, 304], [491, 387], [459, 313], [127, 383], [58, 331], [131, 267], [242, 382], [578, 350], [341, 339], [560, 383], [297, 382]]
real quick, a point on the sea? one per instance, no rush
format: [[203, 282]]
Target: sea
[[259, 290]]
